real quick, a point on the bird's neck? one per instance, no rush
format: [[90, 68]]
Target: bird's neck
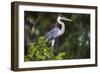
[[62, 27]]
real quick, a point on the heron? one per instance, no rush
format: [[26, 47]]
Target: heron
[[56, 31]]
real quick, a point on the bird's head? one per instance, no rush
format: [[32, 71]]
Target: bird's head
[[63, 18]]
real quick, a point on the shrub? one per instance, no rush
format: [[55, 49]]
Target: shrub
[[39, 51]]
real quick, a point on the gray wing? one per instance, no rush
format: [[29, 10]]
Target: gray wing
[[52, 34]]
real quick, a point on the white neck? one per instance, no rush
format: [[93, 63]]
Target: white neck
[[63, 26]]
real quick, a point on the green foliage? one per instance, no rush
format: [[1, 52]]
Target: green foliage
[[39, 51]]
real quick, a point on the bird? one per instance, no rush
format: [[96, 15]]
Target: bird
[[56, 31]]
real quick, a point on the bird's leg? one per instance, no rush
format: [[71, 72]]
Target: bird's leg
[[52, 46]]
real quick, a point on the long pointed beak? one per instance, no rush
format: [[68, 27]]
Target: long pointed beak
[[67, 19]]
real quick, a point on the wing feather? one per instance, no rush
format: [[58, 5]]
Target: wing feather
[[53, 33]]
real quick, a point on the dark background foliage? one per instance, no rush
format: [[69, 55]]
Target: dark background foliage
[[75, 42]]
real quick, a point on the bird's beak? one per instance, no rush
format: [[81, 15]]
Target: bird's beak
[[67, 19]]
